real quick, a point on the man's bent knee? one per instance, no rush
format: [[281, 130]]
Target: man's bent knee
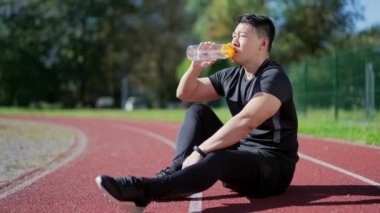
[[200, 110], [196, 108]]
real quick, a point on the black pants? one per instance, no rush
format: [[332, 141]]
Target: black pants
[[252, 173]]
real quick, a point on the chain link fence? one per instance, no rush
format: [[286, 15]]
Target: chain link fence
[[347, 81]]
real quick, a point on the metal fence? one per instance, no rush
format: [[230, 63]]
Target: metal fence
[[344, 81]]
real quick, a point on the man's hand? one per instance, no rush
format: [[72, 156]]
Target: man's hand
[[204, 64], [201, 64], [193, 158]]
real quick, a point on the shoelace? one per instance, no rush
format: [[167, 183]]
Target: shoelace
[[163, 172]]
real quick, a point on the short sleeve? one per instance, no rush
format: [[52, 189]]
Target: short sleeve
[[275, 81], [217, 80]]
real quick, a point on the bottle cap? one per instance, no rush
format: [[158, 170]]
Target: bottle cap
[[228, 50]]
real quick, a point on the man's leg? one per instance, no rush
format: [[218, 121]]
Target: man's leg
[[250, 173], [192, 179], [238, 167], [199, 124]]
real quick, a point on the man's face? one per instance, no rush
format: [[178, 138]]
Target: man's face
[[246, 42]]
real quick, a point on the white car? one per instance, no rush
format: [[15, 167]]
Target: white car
[[135, 103]]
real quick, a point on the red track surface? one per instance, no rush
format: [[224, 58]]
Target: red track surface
[[120, 148]]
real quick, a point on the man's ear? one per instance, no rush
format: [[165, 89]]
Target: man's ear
[[264, 43]]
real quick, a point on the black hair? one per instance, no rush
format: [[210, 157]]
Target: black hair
[[263, 25]]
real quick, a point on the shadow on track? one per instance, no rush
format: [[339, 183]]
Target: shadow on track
[[344, 195]]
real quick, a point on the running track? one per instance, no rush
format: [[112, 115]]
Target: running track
[[330, 176]]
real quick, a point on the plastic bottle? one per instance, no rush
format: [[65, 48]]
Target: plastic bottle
[[220, 51]]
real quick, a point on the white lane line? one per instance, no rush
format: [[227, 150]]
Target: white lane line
[[151, 134], [195, 205], [81, 140], [338, 141], [341, 170]]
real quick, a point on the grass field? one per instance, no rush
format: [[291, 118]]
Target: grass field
[[351, 125]]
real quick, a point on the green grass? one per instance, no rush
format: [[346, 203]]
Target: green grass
[[155, 114], [351, 126]]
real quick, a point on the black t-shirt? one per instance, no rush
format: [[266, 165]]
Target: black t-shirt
[[278, 134]]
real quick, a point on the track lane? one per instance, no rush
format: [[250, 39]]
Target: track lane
[[314, 188], [362, 160], [110, 151]]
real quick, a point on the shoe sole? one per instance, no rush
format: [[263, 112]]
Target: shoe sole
[[125, 205]]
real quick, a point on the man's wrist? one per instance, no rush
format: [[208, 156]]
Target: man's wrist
[[201, 152]]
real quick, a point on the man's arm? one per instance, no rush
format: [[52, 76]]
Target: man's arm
[[192, 88], [261, 107]]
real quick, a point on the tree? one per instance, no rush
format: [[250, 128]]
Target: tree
[[46, 46], [311, 28], [161, 36], [25, 73], [368, 36], [79, 50], [216, 21]]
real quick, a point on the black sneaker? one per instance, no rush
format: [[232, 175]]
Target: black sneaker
[[126, 191], [167, 171]]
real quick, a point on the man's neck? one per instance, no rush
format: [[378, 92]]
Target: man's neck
[[252, 68]]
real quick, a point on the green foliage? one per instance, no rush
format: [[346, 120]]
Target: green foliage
[[216, 23], [310, 28], [181, 69], [45, 55], [78, 50], [369, 36], [22, 43], [70, 52]]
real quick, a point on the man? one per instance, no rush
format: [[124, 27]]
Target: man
[[254, 153]]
